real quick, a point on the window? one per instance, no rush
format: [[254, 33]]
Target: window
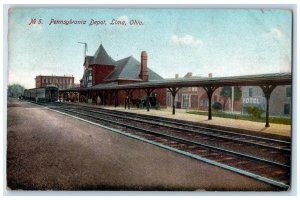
[[185, 101], [288, 92], [286, 108], [193, 89], [185, 97], [250, 92], [185, 104], [203, 102]]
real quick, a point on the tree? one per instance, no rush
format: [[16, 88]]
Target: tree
[[254, 111], [227, 91], [15, 90]]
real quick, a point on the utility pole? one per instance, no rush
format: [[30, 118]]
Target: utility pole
[[85, 48], [232, 98], [84, 53]]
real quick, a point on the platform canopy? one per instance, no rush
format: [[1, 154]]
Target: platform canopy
[[267, 82], [247, 80]]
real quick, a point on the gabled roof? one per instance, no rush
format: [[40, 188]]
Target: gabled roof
[[90, 59], [125, 69], [129, 69], [119, 66], [101, 57]]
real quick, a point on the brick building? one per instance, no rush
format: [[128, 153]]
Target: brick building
[[101, 70], [62, 82], [196, 97]]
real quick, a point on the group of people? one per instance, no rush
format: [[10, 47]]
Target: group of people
[[127, 101]]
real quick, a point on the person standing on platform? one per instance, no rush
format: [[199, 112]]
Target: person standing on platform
[[126, 102], [98, 102]]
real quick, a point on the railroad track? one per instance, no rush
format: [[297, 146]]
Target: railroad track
[[236, 137], [252, 139], [274, 153], [265, 170]]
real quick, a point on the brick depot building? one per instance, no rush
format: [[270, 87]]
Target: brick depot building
[[102, 70], [62, 82]]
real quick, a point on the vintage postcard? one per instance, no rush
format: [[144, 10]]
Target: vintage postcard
[[136, 99]]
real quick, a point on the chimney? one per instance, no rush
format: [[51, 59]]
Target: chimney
[[188, 75], [176, 75], [144, 69], [210, 75]]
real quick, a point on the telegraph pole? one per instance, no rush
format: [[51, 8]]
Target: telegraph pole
[[85, 48], [232, 98]]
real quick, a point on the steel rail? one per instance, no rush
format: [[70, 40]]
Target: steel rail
[[182, 139], [183, 123], [272, 182], [192, 131]]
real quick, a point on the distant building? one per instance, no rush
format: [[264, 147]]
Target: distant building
[[62, 82], [280, 100], [196, 97], [76, 85], [188, 97]]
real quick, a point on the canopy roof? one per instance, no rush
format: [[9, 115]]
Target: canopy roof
[[248, 80]]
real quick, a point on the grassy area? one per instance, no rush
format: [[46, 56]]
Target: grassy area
[[275, 120]]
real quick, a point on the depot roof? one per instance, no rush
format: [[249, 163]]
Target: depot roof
[[247, 80]]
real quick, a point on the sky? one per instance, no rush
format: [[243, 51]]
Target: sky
[[225, 42]]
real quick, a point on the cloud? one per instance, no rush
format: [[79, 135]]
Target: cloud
[[123, 18], [285, 64], [275, 33], [186, 40]]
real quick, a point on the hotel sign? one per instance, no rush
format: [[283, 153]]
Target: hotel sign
[[251, 100]]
